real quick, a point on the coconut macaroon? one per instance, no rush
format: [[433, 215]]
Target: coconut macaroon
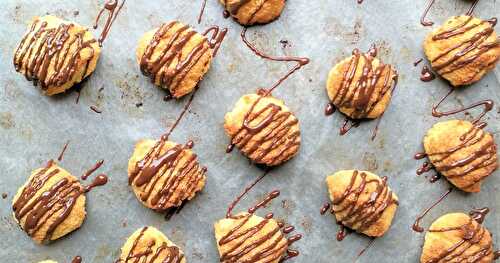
[[175, 57], [362, 201], [50, 205], [251, 12], [149, 245], [56, 54], [263, 128], [463, 49], [250, 238], [457, 237], [163, 174], [462, 152], [361, 86]]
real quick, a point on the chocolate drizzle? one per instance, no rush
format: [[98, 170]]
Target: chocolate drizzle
[[472, 7], [94, 168], [472, 234], [204, 3], [465, 51], [55, 203], [487, 104], [426, 74], [416, 226], [50, 56], [171, 66], [100, 180], [60, 157], [426, 11], [239, 197], [479, 214], [359, 215], [173, 254], [372, 240], [110, 6]]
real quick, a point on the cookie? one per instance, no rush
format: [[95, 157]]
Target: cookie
[[251, 12], [175, 57], [457, 237], [463, 49], [149, 245], [56, 54], [264, 129], [362, 201], [461, 151], [163, 174], [50, 205], [361, 86]]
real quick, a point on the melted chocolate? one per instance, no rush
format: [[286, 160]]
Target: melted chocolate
[[426, 11], [100, 180], [487, 104], [95, 109], [472, 234], [111, 7], [226, 14], [61, 155], [216, 38], [472, 7], [365, 248], [426, 75], [50, 56], [204, 3], [342, 232], [417, 62], [326, 206], [77, 259], [330, 109], [173, 254], [479, 214], [416, 226], [239, 197], [348, 125], [96, 166], [363, 214]]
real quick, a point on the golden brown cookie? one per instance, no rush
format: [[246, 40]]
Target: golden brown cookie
[[462, 152], [249, 238], [163, 174], [362, 201], [175, 57], [463, 49], [56, 54], [251, 12], [149, 245], [457, 237], [50, 205], [361, 86], [264, 129]]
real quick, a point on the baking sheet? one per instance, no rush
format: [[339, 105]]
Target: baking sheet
[[34, 127]]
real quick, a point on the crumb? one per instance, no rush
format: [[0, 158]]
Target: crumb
[[4, 195], [76, 13]]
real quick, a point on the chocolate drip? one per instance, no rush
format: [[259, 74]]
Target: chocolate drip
[[226, 14], [204, 3], [50, 56], [301, 61], [426, 75], [77, 259], [330, 109], [239, 197], [487, 104], [417, 62], [472, 7], [479, 214], [365, 248], [160, 67], [173, 255], [100, 180], [360, 215], [264, 202], [326, 206], [419, 156], [342, 232], [95, 109], [60, 157], [348, 125], [216, 38], [416, 226], [56, 202], [110, 6], [426, 11], [474, 45], [94, 168], [472, 235]]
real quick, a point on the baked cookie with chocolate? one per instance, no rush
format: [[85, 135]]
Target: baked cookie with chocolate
[[361, 86], [175, 57], [463, 49], [457, 237], [250, 238], [461, 151], [149, 245], [50, 205], [362, 201], [263, 128], [56, 54], [163, 174], [251, 12]]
